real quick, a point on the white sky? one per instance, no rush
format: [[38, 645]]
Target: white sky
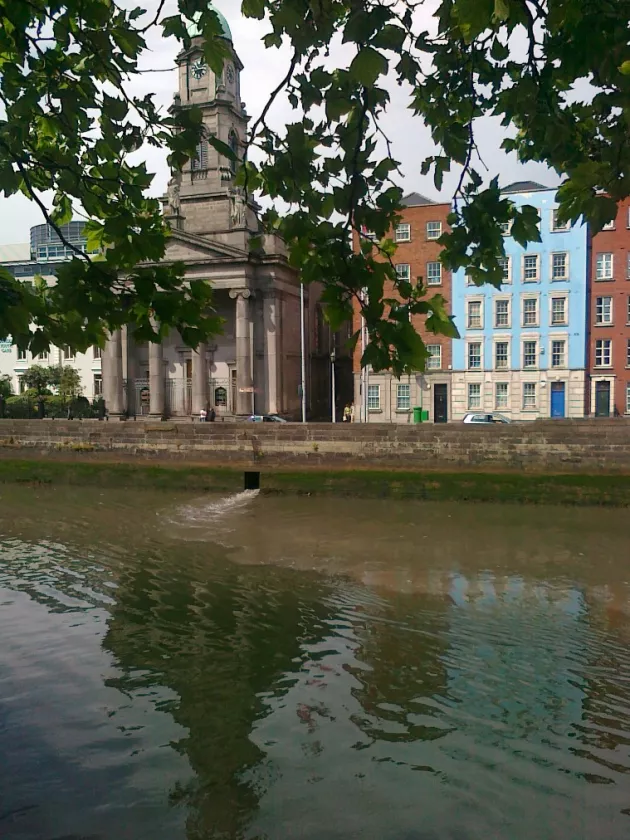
[[263, 70]]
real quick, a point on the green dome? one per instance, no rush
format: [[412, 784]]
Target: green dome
[[194, 31]]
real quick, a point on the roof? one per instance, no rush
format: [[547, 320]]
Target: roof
[[524, 186], [15, 253], [414, 199], [194, 31]]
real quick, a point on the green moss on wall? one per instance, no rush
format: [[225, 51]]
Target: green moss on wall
[[520, 488]]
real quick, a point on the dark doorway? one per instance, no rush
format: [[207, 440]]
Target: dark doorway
[[440, 403], [558, 408], [602, 399]]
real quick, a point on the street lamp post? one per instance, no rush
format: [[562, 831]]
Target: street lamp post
[[333, 387]]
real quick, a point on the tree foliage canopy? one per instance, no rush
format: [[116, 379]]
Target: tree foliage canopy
[[556, 71]]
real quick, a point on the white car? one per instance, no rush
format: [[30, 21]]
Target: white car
[[486, 418]]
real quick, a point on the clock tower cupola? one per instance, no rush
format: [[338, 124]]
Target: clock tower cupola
[[204, 190]]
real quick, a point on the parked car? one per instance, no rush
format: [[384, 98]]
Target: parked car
[[266, 418], [486, 418]]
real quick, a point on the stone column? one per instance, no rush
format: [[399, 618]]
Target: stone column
[[199, 379], [112, 372], [270, 318], [244, 393], [156, 381]]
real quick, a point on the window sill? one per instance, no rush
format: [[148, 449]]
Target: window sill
[[403, 411], [602, 367], [604, 279], [433, 285], [375, 410], [611, 324]]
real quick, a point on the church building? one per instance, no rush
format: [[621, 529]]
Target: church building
[[255, 365]]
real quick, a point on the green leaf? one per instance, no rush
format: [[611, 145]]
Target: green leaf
[[367, 66]]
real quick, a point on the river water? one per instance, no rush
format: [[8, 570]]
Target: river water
[[253, 667]]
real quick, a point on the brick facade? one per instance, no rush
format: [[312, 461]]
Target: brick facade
[[421, 253], [609, 318]]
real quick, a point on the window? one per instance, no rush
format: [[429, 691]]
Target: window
[[368, 234], [628, 353], [434, 230], [560, 266], [96, 353], [529, 395], [434, 362], [200, 160], [474, 395], [374, 397], [501, 395], [603, 352], [434, 273], [501, 313], [474, 320], [403, 271], [501, 355], [530, 312], [98, 385], [474, 355], [603, 310], [469, 280], [558, 311], [42, 357], [604, 267], [403, 397], [506, 265], [530, 354], [628, 312], [68, 354], [531, 268], [558, 354], [403, 233], [628, 266], [506, 228], [556, 225], [627, 397], [21, 355], [609, 225]]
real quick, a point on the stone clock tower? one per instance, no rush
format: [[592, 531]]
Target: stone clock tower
[[202, 198], [254, 364]]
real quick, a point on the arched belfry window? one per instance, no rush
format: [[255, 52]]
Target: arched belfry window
[[233, 144], [200, 160]]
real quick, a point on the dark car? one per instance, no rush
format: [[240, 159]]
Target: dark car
[[266, 418], [486, 418]]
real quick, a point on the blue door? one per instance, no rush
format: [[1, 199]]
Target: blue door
[[557, 399]]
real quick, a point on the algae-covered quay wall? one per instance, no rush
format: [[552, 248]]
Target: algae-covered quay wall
[[545, 448]]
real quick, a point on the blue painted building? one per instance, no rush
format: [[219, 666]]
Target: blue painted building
[[523, 347]]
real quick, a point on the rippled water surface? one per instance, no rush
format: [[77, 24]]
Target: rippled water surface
[[176, 667]]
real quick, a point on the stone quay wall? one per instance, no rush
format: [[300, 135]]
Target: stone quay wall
[[546, 447]]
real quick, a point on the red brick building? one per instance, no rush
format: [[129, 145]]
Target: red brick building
[[609, 318], [388, 399]]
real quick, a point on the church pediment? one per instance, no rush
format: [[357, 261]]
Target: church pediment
[[187, 247]]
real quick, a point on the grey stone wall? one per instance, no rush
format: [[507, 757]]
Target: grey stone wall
[[580, 446]]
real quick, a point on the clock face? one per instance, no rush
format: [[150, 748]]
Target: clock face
[[229, 72], [198, 69]]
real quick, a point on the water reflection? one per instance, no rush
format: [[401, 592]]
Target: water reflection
[[364, 679]]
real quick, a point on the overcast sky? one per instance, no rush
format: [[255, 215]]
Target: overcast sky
[[263, 70]]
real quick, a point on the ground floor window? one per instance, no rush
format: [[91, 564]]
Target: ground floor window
[[529, 395], [627, 397], [374, 397], [474, 395], [403, 397], [220, 397], [98, 385], [501, 395]]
